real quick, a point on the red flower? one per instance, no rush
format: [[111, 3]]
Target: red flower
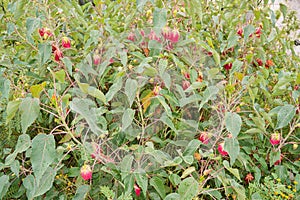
[[156, 90], [96, 59], [186, 75], [45, 33], [204, 137], [86, 172], [259, 62], [240, 32], [131, 36], [185, 84], [258, 32], [228, 66], [58, 55], [137, 190], [275, 139], [249, 177], [269, 63], [279, 161], [221, 149], [66, 42], [54, 47]]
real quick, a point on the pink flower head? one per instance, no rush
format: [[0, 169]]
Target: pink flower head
[[240, 32], [156, 90], [96, 59], [275, 139], [66, 42], [142, 33], [228, 66], [185, 84], [58, 55], [174, 36], [204, 137], [137, 190], [153, 36], [221, 149], [86, 172], [166, 32], [131, 36]]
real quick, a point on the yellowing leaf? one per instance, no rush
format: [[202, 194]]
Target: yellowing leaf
[[239, 76], [37, 89], [146, 101]]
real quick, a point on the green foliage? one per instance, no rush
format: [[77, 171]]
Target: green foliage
[[162, 99]]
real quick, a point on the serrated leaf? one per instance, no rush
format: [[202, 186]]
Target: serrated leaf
[[188, 188], [285, 115], [43, 154], [130, 90], [29, 109], [233, 123], [159, 186], [232, 146], [127, 118]]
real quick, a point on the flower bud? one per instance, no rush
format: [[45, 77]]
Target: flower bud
[[221, 149], [156, 90], [204, 137], [58, 55], [96, 59], [185, 84], [137, 190], [240, 32], [228, 66], [275, 139], [86, 172], [66, 42]]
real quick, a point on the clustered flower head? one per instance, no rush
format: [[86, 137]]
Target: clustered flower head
[[275, 139], [86, 172]]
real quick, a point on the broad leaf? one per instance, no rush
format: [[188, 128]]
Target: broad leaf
[[159, 186], [192, 147], [127, 118], [172, 196], [188, 188], [43, 154], [11, 109], [29, 109], [81, 192], [142, 181], [114, 89], [23, 143], [37, 89], [285, 115], [232, 146], [4, 184], [45, 51], [235, 172], [159, 18], [130, 90], [233, 123], [46, 182], [209, 94]]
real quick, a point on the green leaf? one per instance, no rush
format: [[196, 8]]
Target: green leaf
[[140, 4], [232, 146], [166, 120], [209, 94], [43, 154], [37, 89], [188, 171], [45, 51], [159, 18], [4, 184], [130, 90], [142, 181], [235, 172], [60, 75], [126, 164], [172, 196], [165, 105], [11, 109], [233, 123], [82, 107], [216, 57], [30, 185], [248, 30], [283, 9], [96, 93], [29, 109], [127, 118], [46, 182], [81, 192], [192, 147], [23, 143], [274, 156], [175, 179], [188, 188], [285, 115], [15, 167], [159, 186], [114, 89]]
